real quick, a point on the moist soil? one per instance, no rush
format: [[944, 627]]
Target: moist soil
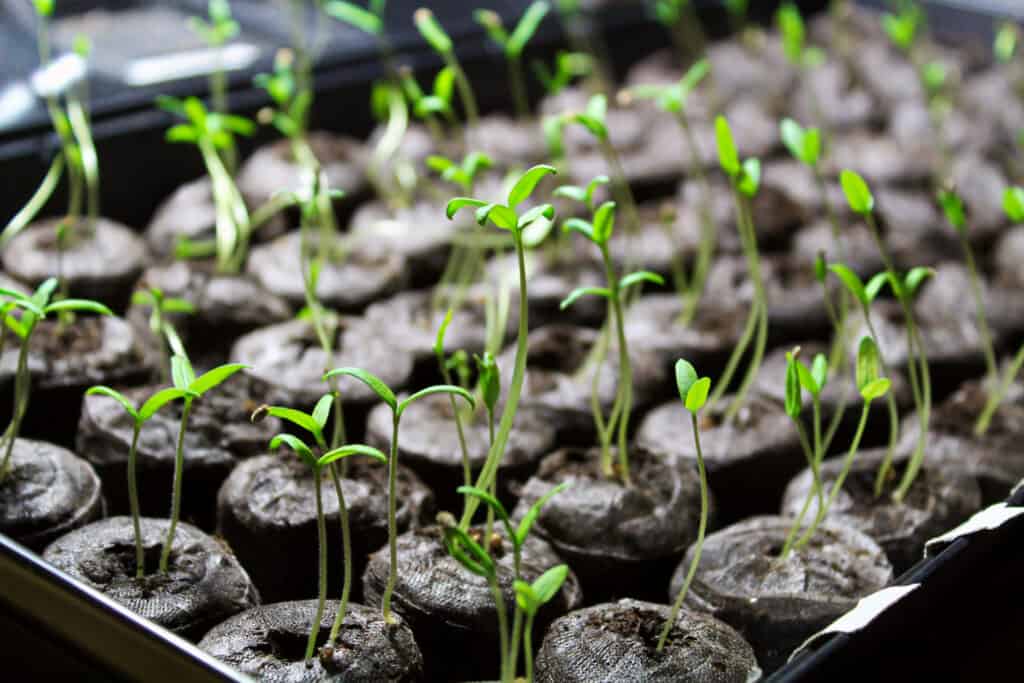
[[268, 502]]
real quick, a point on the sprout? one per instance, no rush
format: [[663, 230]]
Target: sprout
[[794, 35], [34, 307], [139, 417], [290, 111], [745, 178], [568, 66], [512, 44], [369, 21], [530, 598], [507, 217], [397, 408], [862, 202], [435, 36], [1013, 203], [599, 232], [477, 559], [462, 174], [164, 333], [673, 99], [317, 457], [693, 392], [220, 28]]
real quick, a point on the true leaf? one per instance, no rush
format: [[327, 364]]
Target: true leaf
[[350, 450], [580, 292], [369, 380], [857, 192]]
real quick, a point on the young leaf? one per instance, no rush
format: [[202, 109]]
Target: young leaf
[[819, 371], [794, 400], [549, 583], [489, 500], [604, 223], [874, 286], [354, 15], [820, 268], [915, 277], [297, 445], [322, 410], [181, 372], [458, 541], [750, 177], [876, 389], [369, 380], [791, 26], [490, 380], [526, 184], [852, 282], [79, 305], [686, 376], [212, 378], [869, 362], [117, 396], [349, 450], [296, 417], [437, 389], [441, 331], [432, 32], [728, 157], [158, 401], [526, 523], [1013, 204], [792, 137], [806, 379], [459, 203], [534, 215], [857, 192], [697, 396], [640, 276], [581, 226], [526, 598], [581, 292], [526, 28], [43, 292]]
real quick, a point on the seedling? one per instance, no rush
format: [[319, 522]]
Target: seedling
[[34, 307], [862, 202], [1013, 204], [476, 557], [64, 77], [397, 408], [871, 385], [530, 598], [694, 394], [903, 27], [192, 388], [369, 20], [216, 32], [599, 232], [813, 380], [507, 217], [318, 457], [290, 110], [512, 44], [745, 178], [794, 37], [436, 37], [161, 306], [568, 66], [673, 99], [139, 417]]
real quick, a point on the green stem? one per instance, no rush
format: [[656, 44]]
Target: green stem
[[392, 523], [838, 484], [994, 399], [528, 648], [499, 604], [133, 502], [36, 203], [517, 84], [90, 161], [346, 549], [464, 88], [497, 450], [517, 631], [699, 545], [992, 369], [22, 385], [321, 537], [179, 466], [814, 492], [625, 386], [467, 474]]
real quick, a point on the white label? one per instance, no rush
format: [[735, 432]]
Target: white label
[[990, 518], [863, 614]]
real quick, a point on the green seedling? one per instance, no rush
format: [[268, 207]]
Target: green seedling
[[220, 28], [798, 379], [369, 20], [693, 392], [903, 27], [192, 388], [673, 99], [599, 232], [162, 306], [568, 66], [862, 202], [794, 37], [446, 375], [139, 417], [1013, 204], [870, 385], [319, 457], [476, 558], [34, 307], [64, 78], [745, 178], [289, 112], [436, 37], [512, 45], [530, 598], [508, 217], [397, 408]]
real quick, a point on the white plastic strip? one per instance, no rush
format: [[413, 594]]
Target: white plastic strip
[[990, 518], [863, 614]]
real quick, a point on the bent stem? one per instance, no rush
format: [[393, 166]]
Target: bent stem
[[179, 464], [497, 449], [133, 502], [678, 604]]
